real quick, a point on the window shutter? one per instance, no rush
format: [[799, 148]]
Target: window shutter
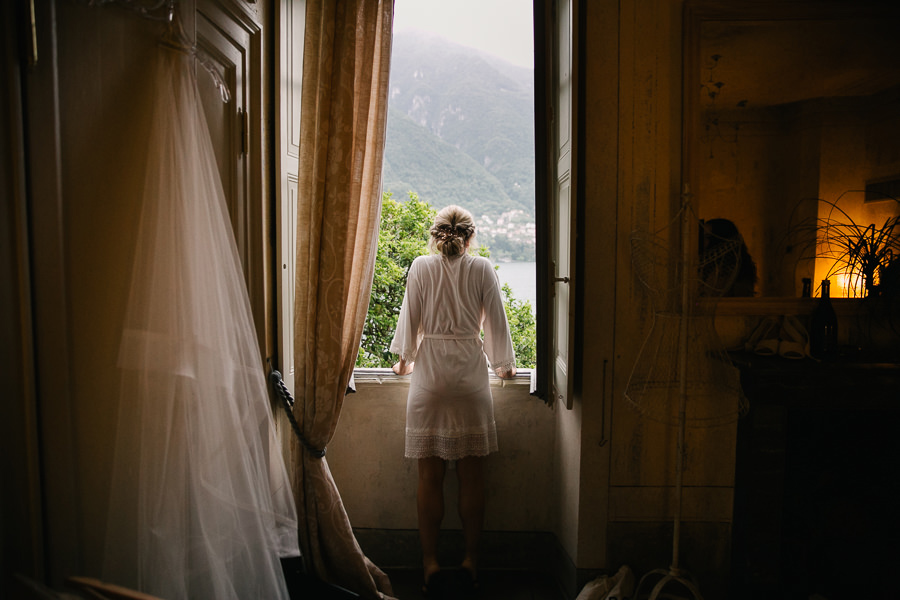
[[562, 213], [289, 69]]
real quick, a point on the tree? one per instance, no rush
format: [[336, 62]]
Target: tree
[[522, 328], [403, 235]]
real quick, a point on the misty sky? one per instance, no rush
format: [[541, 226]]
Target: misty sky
[[500, 27]]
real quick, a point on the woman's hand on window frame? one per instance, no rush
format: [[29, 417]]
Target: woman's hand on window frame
[[509, 373], [402, 367]]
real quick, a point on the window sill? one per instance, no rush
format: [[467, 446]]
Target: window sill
[[387, 377]]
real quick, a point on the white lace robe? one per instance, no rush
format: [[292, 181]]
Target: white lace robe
[[447, 303]]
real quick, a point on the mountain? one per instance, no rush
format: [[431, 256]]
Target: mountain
[[460, 128]]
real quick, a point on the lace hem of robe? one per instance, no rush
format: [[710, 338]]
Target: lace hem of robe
[[406, 354], [504, 365], [450, 446]]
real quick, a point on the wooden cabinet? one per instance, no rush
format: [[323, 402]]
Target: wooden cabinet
[[816, 480]]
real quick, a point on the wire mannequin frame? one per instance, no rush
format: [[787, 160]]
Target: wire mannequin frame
[[682, 376]]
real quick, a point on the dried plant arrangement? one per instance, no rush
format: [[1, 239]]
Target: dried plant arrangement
[[865, 256]]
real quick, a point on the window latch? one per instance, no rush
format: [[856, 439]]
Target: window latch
[[558, 279]]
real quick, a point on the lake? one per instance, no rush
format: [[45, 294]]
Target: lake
[[521, 278]]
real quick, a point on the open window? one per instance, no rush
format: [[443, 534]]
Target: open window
[[556, 190]]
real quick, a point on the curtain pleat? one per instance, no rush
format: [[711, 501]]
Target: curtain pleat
[[343, 117]]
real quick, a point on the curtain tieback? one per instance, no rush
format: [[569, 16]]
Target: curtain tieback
[[287, 401]]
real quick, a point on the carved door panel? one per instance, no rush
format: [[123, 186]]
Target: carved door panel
[[231, 38]]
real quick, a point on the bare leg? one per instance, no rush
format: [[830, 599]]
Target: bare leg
[[470, 471], [430, 504]]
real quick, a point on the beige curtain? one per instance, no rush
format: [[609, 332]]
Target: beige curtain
[[343, 115]]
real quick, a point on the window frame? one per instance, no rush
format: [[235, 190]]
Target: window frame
[[546, 74]]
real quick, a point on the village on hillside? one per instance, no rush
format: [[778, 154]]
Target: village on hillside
[[510, 236]]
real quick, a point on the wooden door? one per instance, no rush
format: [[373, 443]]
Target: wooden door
[[230, 35]]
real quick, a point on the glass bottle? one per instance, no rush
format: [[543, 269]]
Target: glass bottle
[[807, 288], [823, 326]]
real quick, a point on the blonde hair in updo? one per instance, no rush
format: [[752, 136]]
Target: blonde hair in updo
[[453, 228]]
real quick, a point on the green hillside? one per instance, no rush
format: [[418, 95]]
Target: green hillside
[[460, 127], [418, 161]]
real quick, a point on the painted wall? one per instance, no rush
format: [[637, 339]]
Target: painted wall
[[378, 485]]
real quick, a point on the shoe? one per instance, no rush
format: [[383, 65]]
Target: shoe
[[794, 342], [764, 339], [468, 582], [434, 586]]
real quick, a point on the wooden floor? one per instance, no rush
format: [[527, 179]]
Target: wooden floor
[[493, 585]]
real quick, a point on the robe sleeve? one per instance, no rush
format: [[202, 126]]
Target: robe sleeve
[[498, 344], [409, 333]]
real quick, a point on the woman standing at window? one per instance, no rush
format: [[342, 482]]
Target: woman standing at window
[[450, 298]]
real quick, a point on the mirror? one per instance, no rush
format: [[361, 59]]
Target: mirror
[[790, 108]]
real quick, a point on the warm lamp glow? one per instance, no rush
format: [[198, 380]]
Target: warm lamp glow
[[841, 287], [850, 253], [843, 283]]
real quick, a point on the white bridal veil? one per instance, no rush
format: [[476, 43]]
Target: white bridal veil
[[200, 504]]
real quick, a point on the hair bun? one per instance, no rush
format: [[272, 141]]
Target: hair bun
[[453, 229]]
